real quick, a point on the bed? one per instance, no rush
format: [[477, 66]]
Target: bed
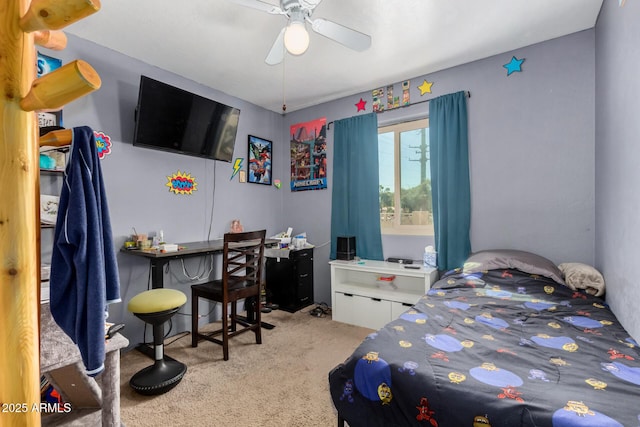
[[504, 341]]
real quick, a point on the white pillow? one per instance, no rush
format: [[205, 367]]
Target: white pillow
[[583, 276]]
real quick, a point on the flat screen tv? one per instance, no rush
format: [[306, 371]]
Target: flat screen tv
[[175, 120]]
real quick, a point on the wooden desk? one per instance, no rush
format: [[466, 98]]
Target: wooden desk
[[191, 249], [160, 259]]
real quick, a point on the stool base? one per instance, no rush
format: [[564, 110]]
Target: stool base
[[158, 378]]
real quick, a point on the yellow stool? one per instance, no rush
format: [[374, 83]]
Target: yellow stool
[[155, 307]]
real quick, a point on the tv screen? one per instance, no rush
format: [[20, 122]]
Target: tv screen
[[172, 119]]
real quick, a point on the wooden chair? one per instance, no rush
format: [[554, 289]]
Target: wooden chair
[[241, 279]]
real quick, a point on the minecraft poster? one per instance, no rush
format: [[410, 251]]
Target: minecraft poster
[[309, 155]]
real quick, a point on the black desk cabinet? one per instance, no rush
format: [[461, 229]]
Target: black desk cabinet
[[290, 280]]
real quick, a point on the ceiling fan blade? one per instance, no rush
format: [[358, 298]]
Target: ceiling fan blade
[[260, 5], [276, 54], [350, 38]]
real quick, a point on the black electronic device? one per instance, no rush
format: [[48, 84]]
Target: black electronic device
[[400, 260], [175, 120], [113, 329], [346, 248]]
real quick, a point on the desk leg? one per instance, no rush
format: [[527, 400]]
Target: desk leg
[[157, 281], [157, 272]]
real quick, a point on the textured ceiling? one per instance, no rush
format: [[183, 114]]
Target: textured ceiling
[[223, 45]]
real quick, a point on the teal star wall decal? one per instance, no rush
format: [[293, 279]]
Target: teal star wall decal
[[514, 65]]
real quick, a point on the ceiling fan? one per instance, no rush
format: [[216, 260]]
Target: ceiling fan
[[295, 38]]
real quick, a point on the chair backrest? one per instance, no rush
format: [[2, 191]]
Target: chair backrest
[[243, 259]]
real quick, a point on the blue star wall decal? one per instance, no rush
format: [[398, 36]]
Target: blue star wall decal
[[514, 65]]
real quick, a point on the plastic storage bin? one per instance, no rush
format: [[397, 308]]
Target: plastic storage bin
[[386, 281]]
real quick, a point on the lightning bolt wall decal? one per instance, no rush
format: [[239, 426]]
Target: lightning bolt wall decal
[[237, 165]]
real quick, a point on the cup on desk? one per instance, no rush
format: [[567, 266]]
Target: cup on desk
[[143, 242]]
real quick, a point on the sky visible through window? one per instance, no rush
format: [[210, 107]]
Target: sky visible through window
[[410, 163]]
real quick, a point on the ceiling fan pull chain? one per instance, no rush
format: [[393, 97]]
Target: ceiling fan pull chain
[[284, 103]]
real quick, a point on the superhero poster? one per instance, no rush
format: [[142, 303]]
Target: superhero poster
[[309, 155], [260, 153]]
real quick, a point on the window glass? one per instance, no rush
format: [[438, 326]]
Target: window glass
[[405, 179], [386, 154]]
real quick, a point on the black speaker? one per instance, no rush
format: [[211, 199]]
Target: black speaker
[[346, 247]]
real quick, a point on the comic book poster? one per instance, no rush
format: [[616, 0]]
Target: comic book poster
[[260, 155], [309, 155]]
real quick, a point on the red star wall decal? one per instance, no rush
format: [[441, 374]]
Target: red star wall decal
[[361, 105]]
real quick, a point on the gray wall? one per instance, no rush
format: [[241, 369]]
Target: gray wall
[[531, 144], [531, 148], [135, 177], [617, 156]]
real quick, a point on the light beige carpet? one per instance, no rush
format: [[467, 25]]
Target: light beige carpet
[[281, 382]]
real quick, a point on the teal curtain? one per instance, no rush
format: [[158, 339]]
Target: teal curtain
[[355, 200], [450, 178]]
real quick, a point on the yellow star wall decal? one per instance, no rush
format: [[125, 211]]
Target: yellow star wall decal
[[181, 183], [425, 87]]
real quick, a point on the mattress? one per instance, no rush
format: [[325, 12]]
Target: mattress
[[502, 347]]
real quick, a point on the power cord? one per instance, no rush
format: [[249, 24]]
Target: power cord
[[320, 310]]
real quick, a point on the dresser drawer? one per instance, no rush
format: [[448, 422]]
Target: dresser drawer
[[368, 312]]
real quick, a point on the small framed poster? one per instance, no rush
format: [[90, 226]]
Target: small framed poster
[[260, 153], [309, 155]]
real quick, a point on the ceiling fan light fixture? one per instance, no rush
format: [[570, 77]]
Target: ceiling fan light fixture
[[296, 38]]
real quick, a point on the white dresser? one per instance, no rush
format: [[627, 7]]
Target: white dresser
[[357, 298]]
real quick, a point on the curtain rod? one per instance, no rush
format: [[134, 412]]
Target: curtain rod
[[466, 92]]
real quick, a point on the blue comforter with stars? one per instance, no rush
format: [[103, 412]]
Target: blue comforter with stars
[[497, 348]]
